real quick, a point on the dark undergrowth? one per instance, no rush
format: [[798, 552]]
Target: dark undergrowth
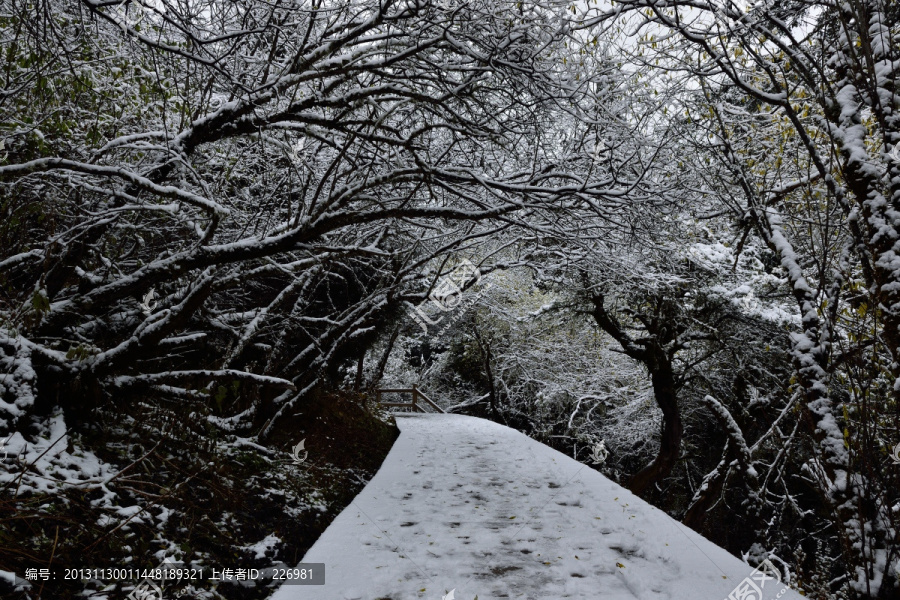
[[181, 489]]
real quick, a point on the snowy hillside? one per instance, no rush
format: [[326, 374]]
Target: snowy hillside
[[468, 505]]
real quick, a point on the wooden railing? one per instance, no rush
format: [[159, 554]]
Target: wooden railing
[[417, 395]]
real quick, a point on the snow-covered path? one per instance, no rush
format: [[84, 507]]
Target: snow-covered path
[[466, 504]]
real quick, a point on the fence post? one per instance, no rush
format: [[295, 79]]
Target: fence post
[[415, 398]]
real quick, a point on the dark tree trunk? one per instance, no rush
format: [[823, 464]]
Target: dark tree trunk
[[486, 358], [382, 363], [672, 430], [651, 352]]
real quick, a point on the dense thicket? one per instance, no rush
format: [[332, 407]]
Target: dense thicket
[[273, 175]]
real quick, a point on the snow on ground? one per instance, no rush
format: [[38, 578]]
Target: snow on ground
[[50, 466], [468, 505]]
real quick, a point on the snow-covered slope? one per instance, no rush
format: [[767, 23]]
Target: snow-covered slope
[[468, 505]]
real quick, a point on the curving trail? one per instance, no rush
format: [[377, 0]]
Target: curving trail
[[468, 505]]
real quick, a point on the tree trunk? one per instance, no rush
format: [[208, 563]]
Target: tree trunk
[[486, 357], [650, 352], [672, 431], [382, 363]]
